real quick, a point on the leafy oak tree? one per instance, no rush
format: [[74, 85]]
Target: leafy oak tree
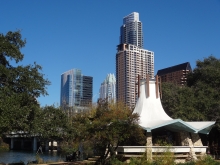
[[52, 124], [20, 86], [180, 102], [205, 82], [106, 126]]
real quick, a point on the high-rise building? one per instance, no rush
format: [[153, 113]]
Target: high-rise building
[[108, 88], [76, 89], [87, 82], [131, 30], [131, 60], [175, 74]]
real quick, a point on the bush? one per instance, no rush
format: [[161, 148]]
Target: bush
[[39, 159], [68, 148], [3, 146], [207, 160], [187, 163], [140, 161], [164, 158], [115, 161]]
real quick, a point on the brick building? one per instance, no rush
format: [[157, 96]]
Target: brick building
[[175, 74]]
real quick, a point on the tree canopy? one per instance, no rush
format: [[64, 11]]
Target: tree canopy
[[200, 98], [52, 123], [106, 126], [20, 86]]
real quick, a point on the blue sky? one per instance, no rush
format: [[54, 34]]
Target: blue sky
[[83, 34]]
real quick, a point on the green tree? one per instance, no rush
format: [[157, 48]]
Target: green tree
[[205, 82], [199, 100], [179, 102], [52, 123], [106, 126], [20, 86]]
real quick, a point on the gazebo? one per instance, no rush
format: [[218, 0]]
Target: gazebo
[[153, 117]]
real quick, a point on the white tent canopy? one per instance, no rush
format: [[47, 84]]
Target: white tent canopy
[[153, 116]]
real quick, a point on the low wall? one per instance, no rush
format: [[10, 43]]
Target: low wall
[[175, 149]]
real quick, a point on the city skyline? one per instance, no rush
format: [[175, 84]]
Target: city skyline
[[77, 34]]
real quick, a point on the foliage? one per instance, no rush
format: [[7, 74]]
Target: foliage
[[205, 80], [68, 147], [39, 159], [20, 86], [105, 127], [207, 160], [140, 161], [162, 142], [179, 102], [187, 163], [165, 159], [200, 99], [3, 146], [115, 161], [52, 123]]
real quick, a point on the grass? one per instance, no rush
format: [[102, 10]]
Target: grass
[[166, 158]]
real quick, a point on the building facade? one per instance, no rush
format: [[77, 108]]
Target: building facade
[[87, 90], [175, 74], [131, 30], [76, 89], [108, 88], [131, 61]]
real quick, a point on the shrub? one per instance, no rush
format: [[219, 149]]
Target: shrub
[[207, 160], [3, 146], [39, 159], [164, 158], [115, 161]]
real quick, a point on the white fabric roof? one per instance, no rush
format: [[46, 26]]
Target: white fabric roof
[[152, 114]]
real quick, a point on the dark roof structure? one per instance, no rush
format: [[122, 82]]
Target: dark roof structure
[[183, 66]]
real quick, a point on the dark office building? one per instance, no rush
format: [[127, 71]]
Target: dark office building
[[87, 90], [175, 74]]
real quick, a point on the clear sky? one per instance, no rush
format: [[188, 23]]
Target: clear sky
[[83, 34]]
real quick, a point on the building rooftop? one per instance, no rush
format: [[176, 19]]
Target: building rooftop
[[131, 18], [110, 79], [183, 66], [152, 115]]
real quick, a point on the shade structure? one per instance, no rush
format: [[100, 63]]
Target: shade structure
[[153, 116]]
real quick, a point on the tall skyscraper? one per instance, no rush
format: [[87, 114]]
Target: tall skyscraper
[[131, 60], [87, 82], [108, 88], [76, 89], [131, 30]]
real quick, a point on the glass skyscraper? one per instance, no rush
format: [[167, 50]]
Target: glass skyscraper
[[108, 88], [76, 89], [131, 30]]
